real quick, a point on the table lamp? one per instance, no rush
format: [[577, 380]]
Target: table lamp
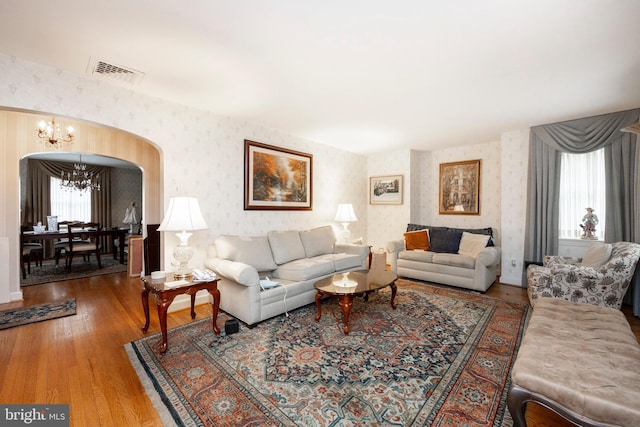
[[183, 216], [345, 215]]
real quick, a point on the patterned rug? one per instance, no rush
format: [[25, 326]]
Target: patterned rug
[[50, 272], [442, 358], [37, 313]]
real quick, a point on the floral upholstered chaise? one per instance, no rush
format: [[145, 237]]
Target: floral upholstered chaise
[[602, 277]]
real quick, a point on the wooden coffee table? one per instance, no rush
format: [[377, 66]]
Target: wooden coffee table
[[165, 294], [346, 286]]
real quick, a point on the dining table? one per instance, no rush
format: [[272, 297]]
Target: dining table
[[30, 236]]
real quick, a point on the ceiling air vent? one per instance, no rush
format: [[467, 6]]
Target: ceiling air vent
[[115, 72]]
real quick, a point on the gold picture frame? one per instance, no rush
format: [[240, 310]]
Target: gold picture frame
[[276, 178], [459, 188]]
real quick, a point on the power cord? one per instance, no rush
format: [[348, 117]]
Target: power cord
[[284, 300]]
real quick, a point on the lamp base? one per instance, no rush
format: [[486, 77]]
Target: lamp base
[[345, 233], [182, 276]]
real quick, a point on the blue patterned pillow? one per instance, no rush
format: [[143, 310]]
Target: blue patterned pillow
[[444, 241]]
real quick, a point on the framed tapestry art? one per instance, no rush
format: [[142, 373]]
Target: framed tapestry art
[[385, 190], [276, 178], [460, 188]]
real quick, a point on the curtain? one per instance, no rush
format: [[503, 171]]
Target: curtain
[[38, 203], [582, 136]]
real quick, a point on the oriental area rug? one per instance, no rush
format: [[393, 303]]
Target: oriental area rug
[[52, 272], [443, 357], [37, 313]]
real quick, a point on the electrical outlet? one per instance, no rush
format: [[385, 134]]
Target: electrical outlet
[[513, 263]]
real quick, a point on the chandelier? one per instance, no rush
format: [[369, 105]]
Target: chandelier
[[80, 179], [51, 133]]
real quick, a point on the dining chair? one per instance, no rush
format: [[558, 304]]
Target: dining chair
[[88, 243], [30, 251], [63, 227]]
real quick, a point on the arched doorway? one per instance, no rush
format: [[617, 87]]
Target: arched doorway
[[18, 139]]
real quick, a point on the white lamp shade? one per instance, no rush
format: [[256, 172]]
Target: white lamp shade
[[183, 214], [345, 213]]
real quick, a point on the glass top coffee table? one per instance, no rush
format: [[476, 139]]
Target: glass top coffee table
[[346, 286]]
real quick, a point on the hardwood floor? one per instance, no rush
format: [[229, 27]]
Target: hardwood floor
[[80, 360]]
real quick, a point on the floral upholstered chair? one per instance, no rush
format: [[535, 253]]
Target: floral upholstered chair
[[600, 278]]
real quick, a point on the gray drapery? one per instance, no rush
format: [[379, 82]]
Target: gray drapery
[[547, 142]]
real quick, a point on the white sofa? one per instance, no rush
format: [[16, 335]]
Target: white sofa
[[454, 256], [295, 259]]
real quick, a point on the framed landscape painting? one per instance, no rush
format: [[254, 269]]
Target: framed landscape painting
[[460, 188], [385, 190], [276, 178]]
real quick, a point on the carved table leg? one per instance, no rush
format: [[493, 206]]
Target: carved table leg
[[145, 307], [163, 306], [193, 301], [215, 293], [319, 315], [346, 302], [393, 295]]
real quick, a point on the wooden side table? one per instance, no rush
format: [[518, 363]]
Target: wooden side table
[[164, 297]]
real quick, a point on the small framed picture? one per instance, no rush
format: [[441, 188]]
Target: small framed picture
[[385, 190], [460, 188]]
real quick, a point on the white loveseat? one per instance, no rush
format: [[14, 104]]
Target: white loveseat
[[466, 258], [295, 259]]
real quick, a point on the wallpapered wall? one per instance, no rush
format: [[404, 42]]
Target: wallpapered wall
[[503, 186], [514, 166], [202, 155]]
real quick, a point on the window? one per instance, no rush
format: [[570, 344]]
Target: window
[[582, 185], [69, 205]]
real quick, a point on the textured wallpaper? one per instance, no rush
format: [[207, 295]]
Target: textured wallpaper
[[515, 165], [203, 156]]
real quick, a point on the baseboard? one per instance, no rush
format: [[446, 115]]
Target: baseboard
[[182, 302]]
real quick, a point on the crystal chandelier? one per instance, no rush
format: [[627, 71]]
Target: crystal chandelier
[[80, 179], [52, 134]]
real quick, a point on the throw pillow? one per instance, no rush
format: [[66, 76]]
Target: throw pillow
[[254, 251], [318, 241], [444, 241], [416, 240], [471, 244], [597, 255], [286, 246]]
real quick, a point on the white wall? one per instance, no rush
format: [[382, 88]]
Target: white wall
[[514, 166], [503, 184], [490, 204], [202, 156], [388, 222]]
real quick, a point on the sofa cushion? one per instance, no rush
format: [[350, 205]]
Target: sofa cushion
[[488, 231], [454, 260], [318, 241], [444, 241], [416, 240], [597, 255], [421, 256], [286, 246], [343, 261], [304, 269], [254, 251], [471, 244]]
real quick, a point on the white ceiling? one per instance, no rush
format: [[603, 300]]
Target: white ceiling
[[366, 76]]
